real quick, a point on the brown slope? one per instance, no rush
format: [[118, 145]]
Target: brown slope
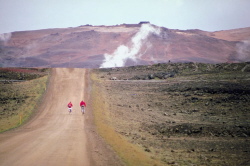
[[63, 47], [232, 35], [185, 46], [85, 46]]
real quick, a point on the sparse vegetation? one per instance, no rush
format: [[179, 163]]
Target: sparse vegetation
[[198, 116], [130, 154], [18, 99]]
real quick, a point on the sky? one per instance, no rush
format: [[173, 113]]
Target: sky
[[207, 15]]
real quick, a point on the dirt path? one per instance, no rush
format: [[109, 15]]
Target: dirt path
[[53, 137]]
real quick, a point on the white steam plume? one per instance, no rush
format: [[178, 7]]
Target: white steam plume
[[244, 51], [5, 37], [123, 53]]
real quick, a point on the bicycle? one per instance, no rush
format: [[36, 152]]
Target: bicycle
[[70, 110], [83, 109]]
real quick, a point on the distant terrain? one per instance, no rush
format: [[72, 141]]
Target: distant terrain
[[176, 113], [89, 46]]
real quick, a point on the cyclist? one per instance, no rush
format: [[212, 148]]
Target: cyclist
[[70, 105], [82, 105]]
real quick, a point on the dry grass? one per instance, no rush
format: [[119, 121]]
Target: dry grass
[[130, 153], [22, 101]]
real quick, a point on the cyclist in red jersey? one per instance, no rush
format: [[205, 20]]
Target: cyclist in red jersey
[[70, 105], [82, 105]]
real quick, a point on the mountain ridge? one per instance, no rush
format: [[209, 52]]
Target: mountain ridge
[[89, 46]]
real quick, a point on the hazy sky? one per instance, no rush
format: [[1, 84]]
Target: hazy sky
[[209, 15]]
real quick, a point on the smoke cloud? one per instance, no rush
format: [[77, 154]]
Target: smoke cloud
[[243, 50], [5, 37], [123, 53]]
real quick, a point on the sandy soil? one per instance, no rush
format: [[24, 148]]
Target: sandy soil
[[53, 136]]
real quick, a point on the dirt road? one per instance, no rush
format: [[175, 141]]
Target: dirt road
[[52, 137]]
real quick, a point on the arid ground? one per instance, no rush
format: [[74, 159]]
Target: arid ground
[[163, 114], [178, 114], [192, 110]]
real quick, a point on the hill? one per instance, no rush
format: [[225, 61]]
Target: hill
[[121, 45]]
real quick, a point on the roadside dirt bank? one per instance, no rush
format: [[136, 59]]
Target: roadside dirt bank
[[102, 154]]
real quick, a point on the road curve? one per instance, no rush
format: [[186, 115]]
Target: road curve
[[52, 137]]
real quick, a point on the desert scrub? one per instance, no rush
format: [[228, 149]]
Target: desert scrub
[[18, 101], [198, 117], [22, 73], [128, 152]]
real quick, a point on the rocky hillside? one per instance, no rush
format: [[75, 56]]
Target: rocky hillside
[[121, 45]]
